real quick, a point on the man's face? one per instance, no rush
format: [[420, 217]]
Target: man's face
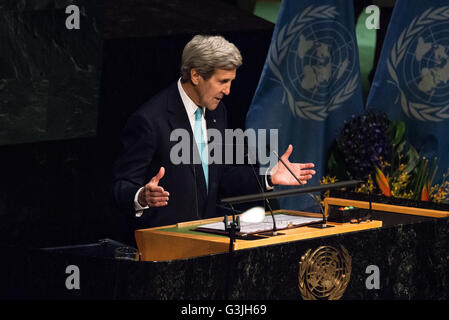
[[211, 91]]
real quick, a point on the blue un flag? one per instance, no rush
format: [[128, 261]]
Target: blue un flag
[[412, 79], [310, 83]]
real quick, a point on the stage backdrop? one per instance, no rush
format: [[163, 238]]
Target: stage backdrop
[[57, 192]]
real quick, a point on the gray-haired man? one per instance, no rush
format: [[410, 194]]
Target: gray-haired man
[[147, 182]]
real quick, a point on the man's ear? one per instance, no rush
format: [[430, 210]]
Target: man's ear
[[194, 76]]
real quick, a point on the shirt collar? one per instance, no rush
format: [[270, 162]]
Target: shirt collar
[[188, 103]]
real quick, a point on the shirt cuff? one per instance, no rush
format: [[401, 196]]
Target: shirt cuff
[[139, 209], [267, 185]]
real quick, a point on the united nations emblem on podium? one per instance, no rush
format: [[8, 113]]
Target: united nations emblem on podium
[[324, 273]]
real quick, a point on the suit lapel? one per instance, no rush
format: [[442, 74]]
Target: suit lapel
[[211, 123], [178, 119], [177, 113]]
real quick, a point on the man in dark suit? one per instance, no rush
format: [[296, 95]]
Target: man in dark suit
[[160, 191]]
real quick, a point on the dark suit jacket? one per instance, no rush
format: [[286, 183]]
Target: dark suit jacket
[[146, 147]]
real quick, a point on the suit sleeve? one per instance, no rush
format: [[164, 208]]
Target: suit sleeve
[[130, 173]]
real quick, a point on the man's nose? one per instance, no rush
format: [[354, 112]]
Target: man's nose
[[227, 89]]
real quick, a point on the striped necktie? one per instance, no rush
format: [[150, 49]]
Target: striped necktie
[[199, 138]]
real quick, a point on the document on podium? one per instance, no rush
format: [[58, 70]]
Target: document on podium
[[283, 221]]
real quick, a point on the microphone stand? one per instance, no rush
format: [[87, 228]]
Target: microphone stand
[[290, 192], [232, 227], [370, 209], [319, 226], [275, 230]]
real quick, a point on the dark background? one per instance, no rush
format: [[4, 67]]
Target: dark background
[[57, 192]]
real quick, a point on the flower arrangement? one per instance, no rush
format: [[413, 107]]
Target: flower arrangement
[[373, 148]]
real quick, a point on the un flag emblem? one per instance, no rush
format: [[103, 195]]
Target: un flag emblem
[[314, 59], [419, 66]]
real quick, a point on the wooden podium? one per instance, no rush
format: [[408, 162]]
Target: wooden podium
[[180, 241]]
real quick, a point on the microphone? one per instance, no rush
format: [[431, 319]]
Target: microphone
[[247, 153], [274, 232], [228, 209], [324, 224], [287, 167]]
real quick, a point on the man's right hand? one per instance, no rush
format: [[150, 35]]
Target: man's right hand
[[152, 194]]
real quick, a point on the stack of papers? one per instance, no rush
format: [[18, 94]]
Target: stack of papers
[[283, 221]]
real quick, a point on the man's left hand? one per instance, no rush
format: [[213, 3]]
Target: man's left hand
[[281, 176]]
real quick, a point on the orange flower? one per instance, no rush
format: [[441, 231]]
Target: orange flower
[[383, 183], [425, 193]]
